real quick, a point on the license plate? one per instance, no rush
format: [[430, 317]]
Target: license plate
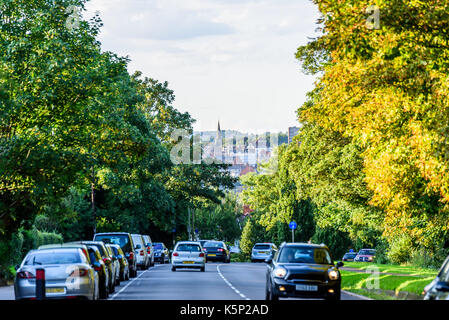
[[263, 252], [54, 290], [188, 262], [212, 255], [304, 287]]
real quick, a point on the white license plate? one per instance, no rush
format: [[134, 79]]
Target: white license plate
[[304, 287]]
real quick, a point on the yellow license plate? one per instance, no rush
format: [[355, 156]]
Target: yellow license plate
[[188, 262], [212, 255], [54, 290], [263, 252]]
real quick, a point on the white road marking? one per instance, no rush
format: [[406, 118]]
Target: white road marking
[[134, 279], [230, 285]]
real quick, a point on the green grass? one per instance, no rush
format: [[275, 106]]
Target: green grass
[[386, 287], [390, 268]]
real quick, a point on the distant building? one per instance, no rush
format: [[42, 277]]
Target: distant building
[[292, 132]]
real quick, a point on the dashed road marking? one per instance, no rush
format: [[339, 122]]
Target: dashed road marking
[[230, 284]]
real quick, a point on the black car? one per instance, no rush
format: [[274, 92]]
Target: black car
[[438, 289], [125, 241], [349, 256], [217, 251], [161, 252], [304, 271]]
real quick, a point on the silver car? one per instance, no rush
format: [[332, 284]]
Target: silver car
[[262, 251], [141, 253], [68, 274], [149, 246], [115, 264], [188, 254]]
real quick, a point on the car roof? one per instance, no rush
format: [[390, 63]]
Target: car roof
[[303, 244], [107, 233], [61, 245], [188, 242], [55, 250]]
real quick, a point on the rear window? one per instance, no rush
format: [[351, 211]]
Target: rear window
[[137, 240], [211, 244], [42, 258], [367, 252], [189, 247], [157, 246], [121, 239], [262, 247]]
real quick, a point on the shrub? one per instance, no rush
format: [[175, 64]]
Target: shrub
[[425, 259], [400, 249]]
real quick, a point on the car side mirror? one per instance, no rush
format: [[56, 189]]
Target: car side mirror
[[340, 264], [120, 257], [269, 260], [97, 266], [442, 286], [17, 267], [137, 246]]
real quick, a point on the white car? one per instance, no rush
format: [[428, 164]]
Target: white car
[[141, 253], [188, 254]]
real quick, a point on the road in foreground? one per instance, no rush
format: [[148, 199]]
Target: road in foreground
[[232, 281]]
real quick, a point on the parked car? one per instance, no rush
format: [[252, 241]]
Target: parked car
[[102, 270], [68, 274], [234, 249], [188, 254], [107, 259], [262, 251], [438, 289], [140, 251], [349, 256], [123, 262], [115, 262], [149, 245], [304, 271], [125, 241], [217, 251], [365, 255], [161, 252]]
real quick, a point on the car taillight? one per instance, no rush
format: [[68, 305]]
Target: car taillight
[[97, 268], [175, 254], [204, 249], [149, 250], [79, 273], [106, 260], [142, 253], [25, 275], [201, 254], [220, 250]]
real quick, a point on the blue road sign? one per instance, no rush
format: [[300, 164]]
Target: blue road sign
[[292, 225], [196, 230]]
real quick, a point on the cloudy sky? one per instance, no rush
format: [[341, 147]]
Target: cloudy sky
[[227, 60]]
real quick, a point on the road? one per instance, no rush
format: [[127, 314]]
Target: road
[[233, 281]]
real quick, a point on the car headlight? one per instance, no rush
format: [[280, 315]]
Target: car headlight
[[280, 272], [334, 275]]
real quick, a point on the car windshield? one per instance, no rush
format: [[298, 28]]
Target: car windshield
[[367, 252], [42, 258], [121, 239], [157, 246], [211, 244], [188, 247], [262, 247], [305, 255], [350, 255]]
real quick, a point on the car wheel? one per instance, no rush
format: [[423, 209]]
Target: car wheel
[[203, 269], [271, 295], [162, 260], [173, 269]]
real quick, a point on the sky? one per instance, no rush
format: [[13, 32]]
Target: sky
[[231, 61]]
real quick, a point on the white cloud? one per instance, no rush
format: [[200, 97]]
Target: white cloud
[[231, 60]]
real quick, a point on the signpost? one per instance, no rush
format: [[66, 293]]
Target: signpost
[[292, 225]]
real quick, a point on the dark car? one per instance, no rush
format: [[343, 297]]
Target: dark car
[[303, 270], [349, 256], [161, 252], [438, 289], [123, 262], [125, 241], [107, 259], [217, 251]]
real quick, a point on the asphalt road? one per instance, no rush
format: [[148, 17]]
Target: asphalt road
[[232, 281]]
